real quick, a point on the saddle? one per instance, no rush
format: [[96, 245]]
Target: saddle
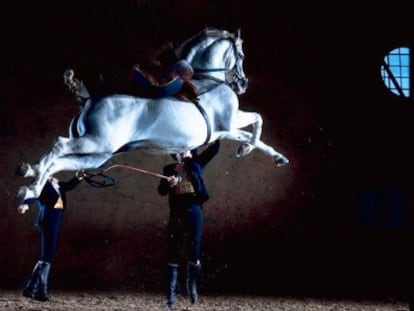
[[177, 84]]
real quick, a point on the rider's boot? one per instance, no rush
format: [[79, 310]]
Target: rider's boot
[[76, 86], [172, 284]]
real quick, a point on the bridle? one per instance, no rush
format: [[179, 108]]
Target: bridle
[[235, 73]]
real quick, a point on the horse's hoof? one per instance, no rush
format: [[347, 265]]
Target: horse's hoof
[[23, 170], [243, 150], [280, 160], [26, 170]]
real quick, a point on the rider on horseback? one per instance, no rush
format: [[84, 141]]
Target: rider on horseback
[[174, 81]]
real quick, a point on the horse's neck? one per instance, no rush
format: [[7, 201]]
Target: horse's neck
[[209, 66], [213, 61], [206, 56], [205, 84], [215, 76]]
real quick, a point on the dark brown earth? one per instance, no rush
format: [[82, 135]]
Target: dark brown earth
[[67, 301]]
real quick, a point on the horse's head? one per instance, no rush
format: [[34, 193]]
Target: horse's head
[[235, 76], [217, 54]]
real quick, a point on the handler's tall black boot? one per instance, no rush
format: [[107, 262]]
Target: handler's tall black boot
[[172, 285], [40, 291], [193, 278], [31, 282]]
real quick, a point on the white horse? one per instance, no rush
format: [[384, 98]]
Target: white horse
[[121, 123]]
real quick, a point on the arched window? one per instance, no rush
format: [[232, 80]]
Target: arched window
[[395, 71]]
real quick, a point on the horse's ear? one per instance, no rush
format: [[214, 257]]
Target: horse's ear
[[238, 33]]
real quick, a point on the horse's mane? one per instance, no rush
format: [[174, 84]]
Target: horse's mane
[[214, 32], [202, 38]]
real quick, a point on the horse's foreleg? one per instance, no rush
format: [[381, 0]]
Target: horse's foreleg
[[278, 158], [244, 136], [65, 163], [244, 119], [241, 119], [238, 135]]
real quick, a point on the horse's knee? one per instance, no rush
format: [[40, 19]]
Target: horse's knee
[[259, 119], [244, 149]]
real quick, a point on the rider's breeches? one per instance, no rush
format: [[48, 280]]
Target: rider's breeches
[[48, 223]]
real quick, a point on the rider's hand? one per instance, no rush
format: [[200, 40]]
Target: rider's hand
[[22, 208]]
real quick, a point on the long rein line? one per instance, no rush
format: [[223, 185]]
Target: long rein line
[[107, 181], [135, 169]]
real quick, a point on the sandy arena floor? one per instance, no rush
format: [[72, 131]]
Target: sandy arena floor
[[12, 300]]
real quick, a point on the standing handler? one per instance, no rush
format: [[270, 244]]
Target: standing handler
[[51, 204], [187, 192]]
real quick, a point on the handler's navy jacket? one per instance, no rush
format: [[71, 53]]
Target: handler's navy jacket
[[194, 167]]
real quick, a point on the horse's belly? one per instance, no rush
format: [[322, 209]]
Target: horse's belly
[[178, 124]]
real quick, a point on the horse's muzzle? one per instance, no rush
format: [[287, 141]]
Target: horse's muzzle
[[242, 86]]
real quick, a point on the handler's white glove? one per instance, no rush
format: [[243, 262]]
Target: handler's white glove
[[174, 180], [22, 208]]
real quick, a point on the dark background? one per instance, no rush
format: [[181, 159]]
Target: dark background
[[334, 222]]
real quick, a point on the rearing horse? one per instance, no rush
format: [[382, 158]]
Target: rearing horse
[[122, 123]]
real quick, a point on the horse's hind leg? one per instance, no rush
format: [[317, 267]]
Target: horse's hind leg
[[61, 147], [79, 162], [27, 170], [65, 163]]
